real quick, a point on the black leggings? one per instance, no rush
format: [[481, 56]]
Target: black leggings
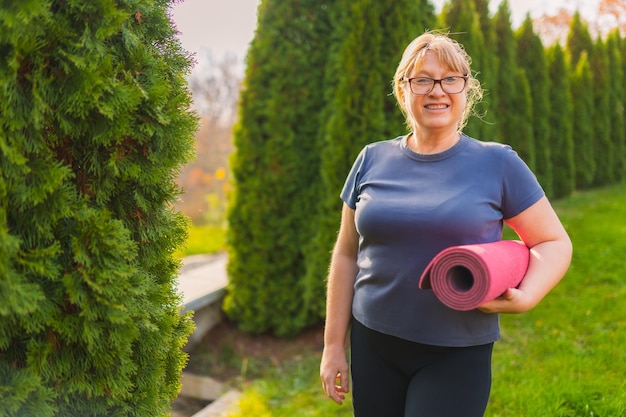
[[392, 377]]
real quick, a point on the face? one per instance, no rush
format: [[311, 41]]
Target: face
[[437, 110]]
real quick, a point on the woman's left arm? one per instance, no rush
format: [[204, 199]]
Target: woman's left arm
[[550, 256]]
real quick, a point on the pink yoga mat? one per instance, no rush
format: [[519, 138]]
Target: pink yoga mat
[[464, 277]]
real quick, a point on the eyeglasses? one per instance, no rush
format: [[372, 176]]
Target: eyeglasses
[[449, 85]]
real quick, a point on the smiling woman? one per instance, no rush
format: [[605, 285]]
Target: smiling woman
[[435, 91], [405, 200]]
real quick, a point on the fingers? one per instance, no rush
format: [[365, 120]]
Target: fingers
[[344, 381], [336, 387], [512, 301], [507, 295]]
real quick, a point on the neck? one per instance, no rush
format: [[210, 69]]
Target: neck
[[432, 142]]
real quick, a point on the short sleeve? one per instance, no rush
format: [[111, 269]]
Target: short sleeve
[[350, 192], [520, 187]]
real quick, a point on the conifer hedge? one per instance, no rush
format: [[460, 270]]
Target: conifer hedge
[[531, 57], [582, 120], [615, 77], [94, 127], [317, 89], [561, 133], [605, 147], [276, 166]]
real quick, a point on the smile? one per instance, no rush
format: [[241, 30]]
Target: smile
[[436, 106]]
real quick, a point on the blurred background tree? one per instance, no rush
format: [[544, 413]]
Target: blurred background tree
[[282, 228]]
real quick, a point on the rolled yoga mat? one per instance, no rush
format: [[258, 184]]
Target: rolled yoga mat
[[464, 277]]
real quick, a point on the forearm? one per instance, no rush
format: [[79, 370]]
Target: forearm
[[550, 256], [341, 277], [548, 264]]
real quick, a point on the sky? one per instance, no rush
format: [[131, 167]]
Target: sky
[[227, 26]]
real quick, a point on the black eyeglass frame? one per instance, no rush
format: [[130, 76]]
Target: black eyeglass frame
[[437, 81]]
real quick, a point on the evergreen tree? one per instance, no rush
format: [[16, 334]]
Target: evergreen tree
[[482, 9], [357, 111], [561, 135], [604, 151], [531, 57], [94, 128], [463, 22], [578, 40], [276, 165], [397, 31], [509, 97], [622, 175], [584, 138], [522, 138], [485, 66], [614, 79]]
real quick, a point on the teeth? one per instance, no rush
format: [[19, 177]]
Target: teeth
[[436, 106]]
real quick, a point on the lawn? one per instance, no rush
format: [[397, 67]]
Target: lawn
[[203, 239], [565, 358]]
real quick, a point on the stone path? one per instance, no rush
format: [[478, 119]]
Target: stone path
[[201, 275], [202, 283]]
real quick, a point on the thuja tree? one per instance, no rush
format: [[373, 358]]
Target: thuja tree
[[531, 56], [623, 55], [513, 116], [582, 121], [365, 53], [276, 165], [464, 23], [578, 40], [615, 75], [604, 146], [561, 134], [94, 126], [485, 65]]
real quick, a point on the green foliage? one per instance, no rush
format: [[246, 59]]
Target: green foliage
[[276, 166], [623, 55], [578, 40], [522, 138], [296, 139], [473, 30], [506, 93], [532, 58], [94, 126], [582, 120], [617, 99], [605, 148], [561, 135], [353, 116]]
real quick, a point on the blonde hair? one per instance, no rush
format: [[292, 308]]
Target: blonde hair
[[451, 54]]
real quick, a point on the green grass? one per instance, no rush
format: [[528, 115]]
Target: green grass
[[204, 239], [565, 358]]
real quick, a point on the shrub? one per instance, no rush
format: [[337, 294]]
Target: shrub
[[95, 125]]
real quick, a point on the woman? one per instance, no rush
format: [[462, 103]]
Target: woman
[[405, 200]]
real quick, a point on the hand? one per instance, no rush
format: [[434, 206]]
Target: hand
[[513, 300], [334, 374]]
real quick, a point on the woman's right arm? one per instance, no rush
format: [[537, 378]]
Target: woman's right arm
[[341, 276]]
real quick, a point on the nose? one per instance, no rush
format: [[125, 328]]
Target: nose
[[435, 83]]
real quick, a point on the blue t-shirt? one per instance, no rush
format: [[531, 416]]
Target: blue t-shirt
[[409, 207]]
